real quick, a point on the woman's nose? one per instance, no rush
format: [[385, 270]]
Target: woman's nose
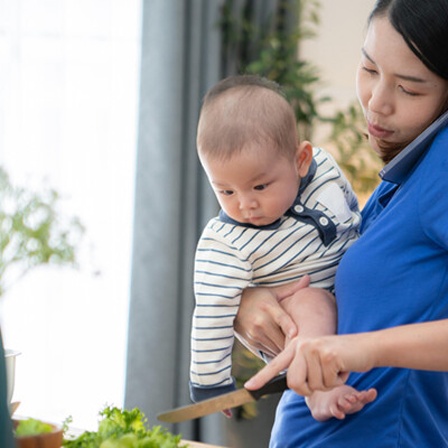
[[381, 100]]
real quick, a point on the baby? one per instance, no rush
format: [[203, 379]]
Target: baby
[[286, 211]]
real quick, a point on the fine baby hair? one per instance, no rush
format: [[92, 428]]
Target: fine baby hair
[[246, 109]]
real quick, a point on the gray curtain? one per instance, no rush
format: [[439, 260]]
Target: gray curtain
[[181, 59]]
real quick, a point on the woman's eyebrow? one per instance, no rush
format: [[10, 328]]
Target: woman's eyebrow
[[398, 75], [366, 55]]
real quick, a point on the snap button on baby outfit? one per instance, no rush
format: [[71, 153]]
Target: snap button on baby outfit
[[323, 221]]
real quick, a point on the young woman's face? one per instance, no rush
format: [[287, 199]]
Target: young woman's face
[[400, 96], [255, 186]]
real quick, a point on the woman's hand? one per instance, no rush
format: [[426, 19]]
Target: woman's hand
[[318, 363], [325, 362], [261, 323]]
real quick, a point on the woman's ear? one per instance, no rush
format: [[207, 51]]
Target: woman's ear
[[304, 157]]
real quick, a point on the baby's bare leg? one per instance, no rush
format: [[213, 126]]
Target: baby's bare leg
[[313, 310]]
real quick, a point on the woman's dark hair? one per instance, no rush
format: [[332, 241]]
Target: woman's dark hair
[[424, 27]]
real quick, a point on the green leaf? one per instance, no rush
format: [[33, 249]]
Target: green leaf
[[33, 232], [31, 427], [122, 428]]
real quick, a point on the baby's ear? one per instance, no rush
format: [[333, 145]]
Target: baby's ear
[[304, 157]]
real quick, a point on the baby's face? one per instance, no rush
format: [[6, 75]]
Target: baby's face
[[255, 186]]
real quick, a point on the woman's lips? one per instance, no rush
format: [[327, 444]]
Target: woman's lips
[[378, 131]]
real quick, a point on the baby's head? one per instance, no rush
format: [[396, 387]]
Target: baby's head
[[248, 144], [242, 110]]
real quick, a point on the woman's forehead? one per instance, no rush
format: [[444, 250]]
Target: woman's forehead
[[386, 48]]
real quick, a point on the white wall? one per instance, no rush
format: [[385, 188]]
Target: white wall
[[337, 49]]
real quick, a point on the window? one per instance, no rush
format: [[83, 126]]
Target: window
[[69, 72]]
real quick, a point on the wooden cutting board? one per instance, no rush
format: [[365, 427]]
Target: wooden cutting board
[[199, 444]]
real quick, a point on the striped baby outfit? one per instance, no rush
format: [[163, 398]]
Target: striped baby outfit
[[309, 239]]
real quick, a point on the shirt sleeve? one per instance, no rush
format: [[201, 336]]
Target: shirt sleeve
[[221, 274]]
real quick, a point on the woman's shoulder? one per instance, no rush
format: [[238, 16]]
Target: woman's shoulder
[[439, 146], [431, 170]]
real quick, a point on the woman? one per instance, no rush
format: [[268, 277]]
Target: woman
[[391, 285]]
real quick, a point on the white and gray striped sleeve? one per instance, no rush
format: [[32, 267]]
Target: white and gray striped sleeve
[[221, 274]]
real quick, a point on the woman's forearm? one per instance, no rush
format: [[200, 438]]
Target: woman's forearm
[[418, 346], [325, 362]]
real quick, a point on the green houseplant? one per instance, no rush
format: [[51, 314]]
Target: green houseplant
[[33, 232]]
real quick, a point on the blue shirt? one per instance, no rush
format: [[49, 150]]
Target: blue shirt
[[395, 274]]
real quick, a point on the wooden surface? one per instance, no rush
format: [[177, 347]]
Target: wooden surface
[[199, 445]]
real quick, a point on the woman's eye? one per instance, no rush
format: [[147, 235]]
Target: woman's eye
[[407, 92], [260, 187], [370, 71]]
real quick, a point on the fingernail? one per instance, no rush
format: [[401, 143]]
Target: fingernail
[[248, 383]]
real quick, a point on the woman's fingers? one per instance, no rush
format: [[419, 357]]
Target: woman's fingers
[[305, 372], [283, 325], [288, 359], [277, 365], [262, 323], [311, 364], [323, 361], [334, 353], [264, 334]]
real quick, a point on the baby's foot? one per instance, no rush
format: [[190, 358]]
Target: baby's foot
[[352, 402], [339, 402]]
